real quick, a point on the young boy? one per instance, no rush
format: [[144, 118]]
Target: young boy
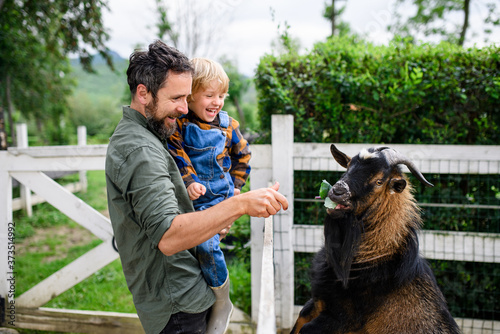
[[212, 157]]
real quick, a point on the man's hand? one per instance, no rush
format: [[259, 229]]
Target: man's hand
[[195, 190], [264, 202]]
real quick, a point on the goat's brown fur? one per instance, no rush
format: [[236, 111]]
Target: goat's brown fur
[[388, 229]]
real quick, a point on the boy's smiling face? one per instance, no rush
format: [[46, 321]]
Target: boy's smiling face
[[207, 103]]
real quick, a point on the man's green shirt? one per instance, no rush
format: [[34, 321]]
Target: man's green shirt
[[145, 193]]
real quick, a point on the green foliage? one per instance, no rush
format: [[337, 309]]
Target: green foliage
[[99, 118], [431, 16], [471, 288], [302, 279], [240, 277], [237, 254], [347, 90], [97, 99], [35, 40], [238, 86], [285, 43], [165, 27]]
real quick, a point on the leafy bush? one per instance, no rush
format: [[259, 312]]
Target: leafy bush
[[351, 91]]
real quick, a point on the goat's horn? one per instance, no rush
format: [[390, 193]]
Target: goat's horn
[[396, 158]]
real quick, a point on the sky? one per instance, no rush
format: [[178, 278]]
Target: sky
[[247, 28]]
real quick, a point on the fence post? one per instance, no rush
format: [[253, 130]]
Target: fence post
[[82, 141], [260, 177], [7, 278], [25, 192], [267, 314], [282, 162]]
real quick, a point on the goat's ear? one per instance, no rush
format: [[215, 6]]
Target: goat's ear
[[341, 158], [398, 185]]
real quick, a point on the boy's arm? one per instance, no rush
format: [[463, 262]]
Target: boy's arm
[[240, 156], [175, 145]]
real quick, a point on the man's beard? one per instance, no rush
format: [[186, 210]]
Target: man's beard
[[158, 125]]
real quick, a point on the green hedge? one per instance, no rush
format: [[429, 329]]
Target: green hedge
[[350, 91]]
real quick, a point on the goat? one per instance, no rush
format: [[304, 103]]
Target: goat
[[369, 277]]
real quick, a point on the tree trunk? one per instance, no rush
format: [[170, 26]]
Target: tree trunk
[[333, 17], [240, 112], [3, 134], [465, 25], [10, 110]]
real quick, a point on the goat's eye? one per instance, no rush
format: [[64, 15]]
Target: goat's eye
[[379, 182]]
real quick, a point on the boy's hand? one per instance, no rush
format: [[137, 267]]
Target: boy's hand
[[237, 191], [195, 190], [225, 231]]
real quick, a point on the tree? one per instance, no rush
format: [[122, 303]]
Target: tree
[[192, 26], [238, 85], [165, 27], [432, 16], [36, 38], [332, 13], [196, 33]]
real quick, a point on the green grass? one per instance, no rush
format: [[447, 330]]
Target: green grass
[[106, 290], [240, 277]]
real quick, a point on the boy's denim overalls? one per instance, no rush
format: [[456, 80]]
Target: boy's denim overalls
[[203, 147]]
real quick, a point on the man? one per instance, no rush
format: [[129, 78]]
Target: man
[[154, 223]]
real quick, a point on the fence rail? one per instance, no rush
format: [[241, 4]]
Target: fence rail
[[26, 200], [435, 245]]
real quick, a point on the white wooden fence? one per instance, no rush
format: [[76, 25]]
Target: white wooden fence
[[270, 163], [26, 311], [279, 161], [26, 200]]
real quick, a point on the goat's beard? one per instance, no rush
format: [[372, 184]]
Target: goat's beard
[[342, 239]]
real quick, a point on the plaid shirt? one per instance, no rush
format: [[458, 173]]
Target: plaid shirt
[[236, 149]]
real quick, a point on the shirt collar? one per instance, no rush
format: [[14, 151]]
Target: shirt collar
[[139, 118], [135, 115]]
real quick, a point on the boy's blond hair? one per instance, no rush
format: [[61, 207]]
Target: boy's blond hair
[[205, 72]]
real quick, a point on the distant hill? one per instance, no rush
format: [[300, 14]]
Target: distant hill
[[99, 60], [105, 83]]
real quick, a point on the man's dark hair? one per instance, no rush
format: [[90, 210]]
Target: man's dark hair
[[151, 67]]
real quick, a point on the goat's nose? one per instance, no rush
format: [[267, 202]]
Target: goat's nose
[[339, 189]]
